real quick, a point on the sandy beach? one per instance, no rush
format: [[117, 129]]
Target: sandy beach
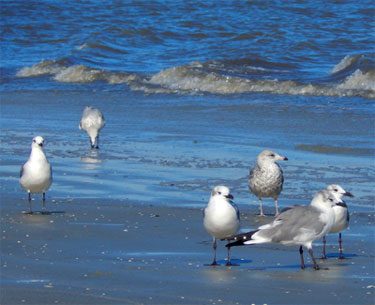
[[125, 222], [114, 252], [191, 93]]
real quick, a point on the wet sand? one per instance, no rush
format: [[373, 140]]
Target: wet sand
[[125, 223], [88, 251]]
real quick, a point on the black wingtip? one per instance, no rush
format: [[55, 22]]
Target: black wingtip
[[240, 239], [235, 243]]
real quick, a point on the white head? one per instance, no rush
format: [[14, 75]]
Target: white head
[[37, 142], [270, 156], [93, 134], [338, 190], [325, 199], [221, 191]]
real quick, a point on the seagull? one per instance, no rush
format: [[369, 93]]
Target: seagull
[[221, 217], [266, 178], [341, 216], [92, 121], [296, 225], [36, 173]]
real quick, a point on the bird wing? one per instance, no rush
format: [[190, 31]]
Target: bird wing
[[21, 171]]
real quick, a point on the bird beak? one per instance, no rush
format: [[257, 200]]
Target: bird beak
[[229, 196], [285, 158], [348, 194], [341, 204], [41, 144]]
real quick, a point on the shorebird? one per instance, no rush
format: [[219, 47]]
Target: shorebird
[[221, 218], [341, 217], [296, 225], [266, 178], [36, 173], [92, 121]]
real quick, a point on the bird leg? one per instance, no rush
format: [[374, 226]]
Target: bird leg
[[276, 208], [301, 254], [44, 203], [340, 247], [97, 142], [29, 200], [228, 259], [324, 248], [261, 207], [214, 263], [316, 266]]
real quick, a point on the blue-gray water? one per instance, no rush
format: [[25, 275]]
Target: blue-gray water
[[192, 92], [319, 48]]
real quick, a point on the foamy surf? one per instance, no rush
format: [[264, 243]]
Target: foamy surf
[[349, 78]]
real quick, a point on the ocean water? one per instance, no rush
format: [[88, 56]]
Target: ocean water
[[314, 48], [192, 92]]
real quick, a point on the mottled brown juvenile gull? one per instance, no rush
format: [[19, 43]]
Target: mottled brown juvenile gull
[[296, 225], [92, 121], [221, 217], [266, 178], [341, 217], [36, 173]]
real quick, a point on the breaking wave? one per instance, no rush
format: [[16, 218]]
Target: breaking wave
[[352, 76]]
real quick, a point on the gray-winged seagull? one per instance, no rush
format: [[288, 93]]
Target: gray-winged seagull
[[92, 121], [341, 217], [296, 225], [221, 217], [266, 178], [36, 173]]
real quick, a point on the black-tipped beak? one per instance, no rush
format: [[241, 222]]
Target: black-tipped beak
[[40, 144], [348, 194], [229, 197], [285, 159], [341, 204]]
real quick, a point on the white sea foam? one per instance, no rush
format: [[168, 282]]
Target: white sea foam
[[344, 63], [198, 78], [360, 80], [45, 67], [78, 74]]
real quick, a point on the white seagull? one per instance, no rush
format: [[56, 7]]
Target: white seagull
[[221, 217], [266, 178], [92, 121], [296, 225], [36, 173], [341, 217]]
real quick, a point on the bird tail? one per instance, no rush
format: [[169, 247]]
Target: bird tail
[[242, 239]]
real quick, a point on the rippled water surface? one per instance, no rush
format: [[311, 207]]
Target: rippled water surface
[[224, 47], [192, 92]]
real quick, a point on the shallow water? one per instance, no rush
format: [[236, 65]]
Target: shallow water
[[172, 150], [191, 93]]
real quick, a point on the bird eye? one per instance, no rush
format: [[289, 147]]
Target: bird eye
[[336, 190], [219, 193], [330, 199], [272, 155]]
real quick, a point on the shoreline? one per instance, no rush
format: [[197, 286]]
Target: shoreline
[[110, 252]]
